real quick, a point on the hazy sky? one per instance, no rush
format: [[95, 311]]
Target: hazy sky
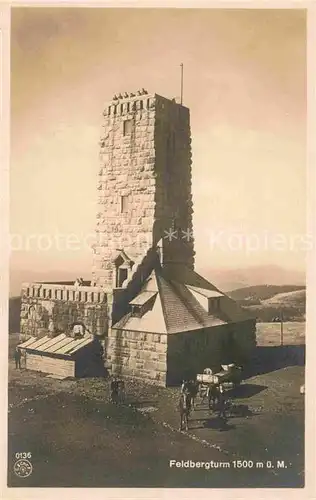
[[244, 82]]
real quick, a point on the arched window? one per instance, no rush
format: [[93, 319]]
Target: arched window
[[78, 330]]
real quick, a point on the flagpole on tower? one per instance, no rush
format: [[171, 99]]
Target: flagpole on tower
[[181, 99]]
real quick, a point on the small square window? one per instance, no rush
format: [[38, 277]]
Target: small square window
[[127, 127], [136, 311], [214, 305]]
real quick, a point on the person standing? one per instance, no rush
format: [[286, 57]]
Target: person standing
[[17, 358], [193, 390], [183, 386], [213, 395], [222, 403], [114, 391]]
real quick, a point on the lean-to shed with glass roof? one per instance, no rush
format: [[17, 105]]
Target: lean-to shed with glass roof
[[63, 356]]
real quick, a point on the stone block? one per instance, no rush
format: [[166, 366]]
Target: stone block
[[160, 347]]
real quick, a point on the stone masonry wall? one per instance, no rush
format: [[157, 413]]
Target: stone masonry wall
[[168, 359], [127, 170], [173, 181], [144, 183], [61, 306], [138, 354]]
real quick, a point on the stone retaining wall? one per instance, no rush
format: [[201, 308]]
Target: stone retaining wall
[[48, 306]]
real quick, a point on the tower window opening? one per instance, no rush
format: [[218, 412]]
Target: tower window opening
[[124, 204], [127, 127], [121, 276]]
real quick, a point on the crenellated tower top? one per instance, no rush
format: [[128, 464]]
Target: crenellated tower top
[[130, 102]]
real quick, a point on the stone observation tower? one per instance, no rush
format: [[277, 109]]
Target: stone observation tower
[[147, 309], [144, 184]]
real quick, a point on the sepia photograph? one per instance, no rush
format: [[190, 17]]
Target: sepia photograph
[[158, 244]]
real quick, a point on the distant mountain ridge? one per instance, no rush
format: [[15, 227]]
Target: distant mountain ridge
[[231, 279]]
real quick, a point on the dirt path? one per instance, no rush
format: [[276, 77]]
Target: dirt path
[[269, 426]]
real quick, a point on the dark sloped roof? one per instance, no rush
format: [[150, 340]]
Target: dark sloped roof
[[204, 318], [177, 306], [177, 314], [177, 310], [229, 308]]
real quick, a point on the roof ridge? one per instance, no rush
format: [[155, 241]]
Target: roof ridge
[[171, 286], [164, 313], [200, 289], [195, 315], [209, 283]]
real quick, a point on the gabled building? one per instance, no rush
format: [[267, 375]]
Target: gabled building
[[157, 318], [175, 326]]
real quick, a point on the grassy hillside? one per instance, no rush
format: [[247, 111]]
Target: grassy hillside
[[269, 334], [262, 292], [268, 302], [296, 298]]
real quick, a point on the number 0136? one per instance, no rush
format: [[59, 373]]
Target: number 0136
[[24, 454]]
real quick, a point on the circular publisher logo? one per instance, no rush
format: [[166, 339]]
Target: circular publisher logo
[[23, 468]]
